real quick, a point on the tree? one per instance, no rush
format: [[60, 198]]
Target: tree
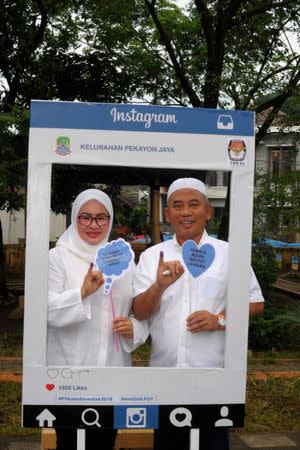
[[46, 53], [213, 54], [13, 167], [237, 51]]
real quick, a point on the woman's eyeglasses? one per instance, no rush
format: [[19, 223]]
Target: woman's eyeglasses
[[85, 220]]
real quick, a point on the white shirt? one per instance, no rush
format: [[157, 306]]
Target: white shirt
[[172, 344], [80, 331]]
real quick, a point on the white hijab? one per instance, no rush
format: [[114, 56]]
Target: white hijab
[[71, 239]]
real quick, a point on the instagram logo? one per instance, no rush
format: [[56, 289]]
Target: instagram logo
[[136, 417]]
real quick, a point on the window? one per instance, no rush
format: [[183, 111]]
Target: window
[[282, 159], [211, 178]]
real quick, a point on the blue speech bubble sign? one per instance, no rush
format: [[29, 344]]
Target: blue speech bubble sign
[[113, 261], [197, 259]]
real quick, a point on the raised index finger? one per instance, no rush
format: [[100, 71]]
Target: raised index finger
[[161, 258]]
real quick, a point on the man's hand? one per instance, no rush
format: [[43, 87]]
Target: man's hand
[[147, 303], [168, 272], [91, 283], [123, 326], [202, 321]]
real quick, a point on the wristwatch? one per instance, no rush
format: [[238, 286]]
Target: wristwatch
[[221, 321]]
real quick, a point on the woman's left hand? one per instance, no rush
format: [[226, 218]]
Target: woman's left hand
[[123, 326]]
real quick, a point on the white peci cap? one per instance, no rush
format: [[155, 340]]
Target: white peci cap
[[187, 183]]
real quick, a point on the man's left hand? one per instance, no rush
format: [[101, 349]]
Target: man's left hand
[[202, 321]]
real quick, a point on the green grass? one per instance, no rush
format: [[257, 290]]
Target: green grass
[[10, 411], [271, 356], [273, 405], [141, 355], [11, 344]]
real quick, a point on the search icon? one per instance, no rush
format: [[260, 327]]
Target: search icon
[[91, 422]]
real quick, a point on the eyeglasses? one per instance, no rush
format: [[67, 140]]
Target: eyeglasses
[[85, 220]]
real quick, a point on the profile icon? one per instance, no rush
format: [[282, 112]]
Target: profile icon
[[224, 422]]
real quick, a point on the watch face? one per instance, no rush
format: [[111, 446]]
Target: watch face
[[221, 321]]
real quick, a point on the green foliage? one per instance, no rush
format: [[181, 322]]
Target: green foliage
[[264, 263], [134, 222], [138, 220], [13, 164], [291, 321], [267, 332]]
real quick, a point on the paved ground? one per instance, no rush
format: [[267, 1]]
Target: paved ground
[[266, 441]]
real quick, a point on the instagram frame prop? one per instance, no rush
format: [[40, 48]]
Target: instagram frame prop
[[142, 137]]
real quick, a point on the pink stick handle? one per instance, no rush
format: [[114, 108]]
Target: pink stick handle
[[114, 316]]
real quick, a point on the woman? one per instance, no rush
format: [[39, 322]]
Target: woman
[[81, 328]]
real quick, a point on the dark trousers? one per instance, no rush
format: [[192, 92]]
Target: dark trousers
[[179, 439], [94, 439]]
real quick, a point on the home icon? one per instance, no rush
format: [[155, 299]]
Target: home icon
[[46, 417]]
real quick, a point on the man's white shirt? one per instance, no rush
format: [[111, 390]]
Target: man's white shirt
[[172, 345]]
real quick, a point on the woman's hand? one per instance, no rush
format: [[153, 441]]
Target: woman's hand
[[91, 283], [123, 326]]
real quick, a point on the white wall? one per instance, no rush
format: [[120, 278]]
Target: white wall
[[13, 226], [275, 139]]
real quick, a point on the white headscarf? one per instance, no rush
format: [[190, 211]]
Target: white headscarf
[[71, 239], [187, 183]]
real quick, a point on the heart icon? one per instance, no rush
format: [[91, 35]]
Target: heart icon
[[52, 373], [49, 387], [197, 259]]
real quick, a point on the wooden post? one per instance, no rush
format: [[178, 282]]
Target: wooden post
[[154, 213], [48, 439]]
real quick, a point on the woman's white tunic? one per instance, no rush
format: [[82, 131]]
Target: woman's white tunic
[[80, 331]]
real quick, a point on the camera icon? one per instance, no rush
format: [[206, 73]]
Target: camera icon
[[136, 417]]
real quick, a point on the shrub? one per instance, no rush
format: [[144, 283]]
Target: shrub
[[264, 264], [267, 332]]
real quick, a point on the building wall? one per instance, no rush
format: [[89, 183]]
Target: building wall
[[13, 227], [276, 139]]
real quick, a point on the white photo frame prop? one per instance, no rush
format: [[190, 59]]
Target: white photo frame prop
[[146, 137]]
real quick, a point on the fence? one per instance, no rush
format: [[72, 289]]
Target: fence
[[14, 256], [14, 261]]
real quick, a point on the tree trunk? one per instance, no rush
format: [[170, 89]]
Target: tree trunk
[[3, 286], [224, 225]]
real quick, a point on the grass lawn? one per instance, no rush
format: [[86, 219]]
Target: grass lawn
[[10, 411], [11, 344], [273, 405]]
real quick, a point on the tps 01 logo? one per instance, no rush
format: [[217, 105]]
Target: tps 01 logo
[[237, 151]]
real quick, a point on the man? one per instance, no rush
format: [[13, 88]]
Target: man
[[186, 315]]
